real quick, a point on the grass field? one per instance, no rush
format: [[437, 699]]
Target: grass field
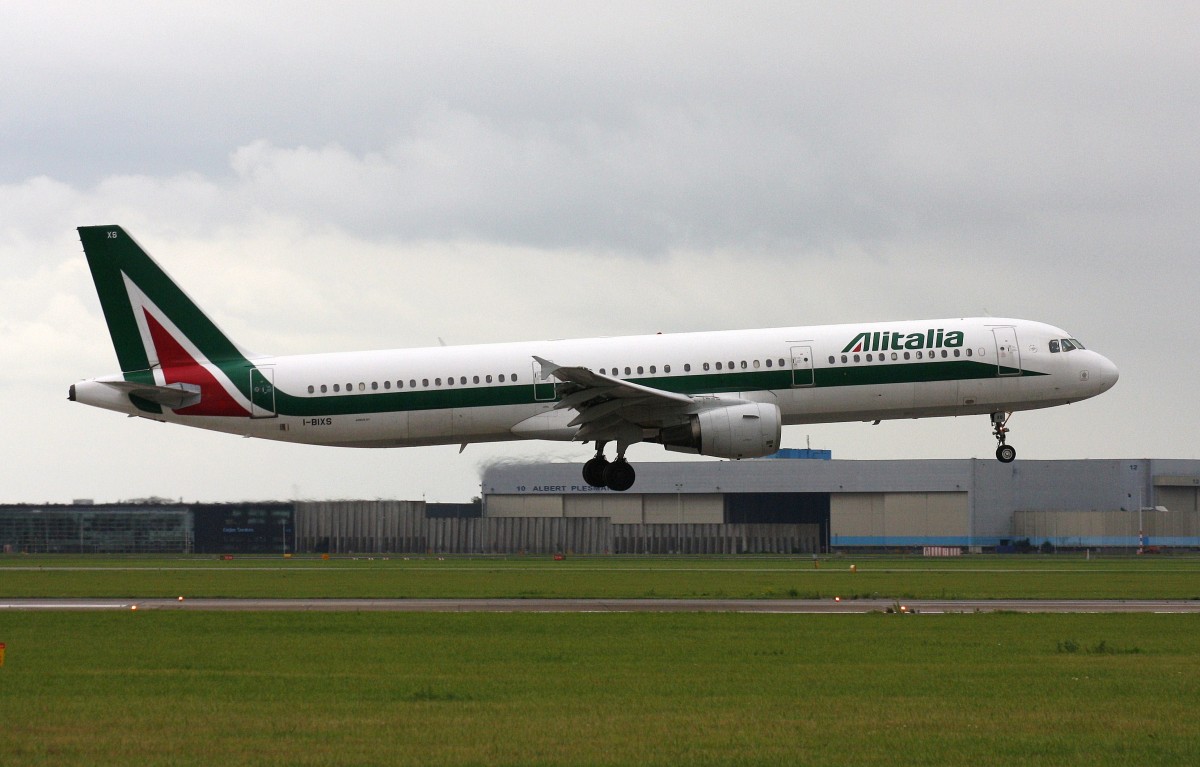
[[660, 689], [203, 688], [980, 577]]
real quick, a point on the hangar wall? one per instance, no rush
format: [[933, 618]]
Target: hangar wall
[[622, 509], [1108, 529], [968, 502]]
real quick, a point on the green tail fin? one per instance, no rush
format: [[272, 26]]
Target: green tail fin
[[139, 298]]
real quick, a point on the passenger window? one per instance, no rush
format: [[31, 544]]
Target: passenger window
[[653, 369], [769, 363], [744, 365], [627, 372], [488, 379], [475, 379], [450, 381], [337, 387], [756, 363], [412, 383], [687, 367], [907, 356], [437, 382], [895, 356], [501, 378], [323, 389], [920, 355], [845, 359], [870, 358], [782, 363], [731, 364], [311, 389], [945, 354], [857, 358], [602, 372], [957, 353], [718, 366], [832, 359], [970, 352], [513, 377], [387, 384], [706, 366], [640, 371], [425, 383], [666, 368]]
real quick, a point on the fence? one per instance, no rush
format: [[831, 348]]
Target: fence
[[366, 527]]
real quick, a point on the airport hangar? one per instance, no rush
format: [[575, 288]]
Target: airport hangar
[[961, 505], [803, 504]]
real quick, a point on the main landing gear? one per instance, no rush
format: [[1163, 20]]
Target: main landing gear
[[617, 475], [1004, 453]]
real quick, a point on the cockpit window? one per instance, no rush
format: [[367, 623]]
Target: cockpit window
[[1064, 344]]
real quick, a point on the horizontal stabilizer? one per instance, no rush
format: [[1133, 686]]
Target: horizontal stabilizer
[[174, 396]]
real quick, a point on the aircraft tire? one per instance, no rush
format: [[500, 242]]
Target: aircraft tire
[[593, 471], [619, 475], [1006, 454]]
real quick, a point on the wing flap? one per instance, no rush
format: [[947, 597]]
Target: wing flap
[[609, 408]]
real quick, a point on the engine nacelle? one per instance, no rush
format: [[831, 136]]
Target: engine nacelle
[[745, 430]]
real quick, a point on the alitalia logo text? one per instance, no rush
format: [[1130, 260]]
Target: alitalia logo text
[[881, 341]]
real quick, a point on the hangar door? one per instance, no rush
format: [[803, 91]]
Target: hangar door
[[899, 519], [779, 509]]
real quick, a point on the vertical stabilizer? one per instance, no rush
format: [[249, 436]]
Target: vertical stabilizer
[[160, 335]]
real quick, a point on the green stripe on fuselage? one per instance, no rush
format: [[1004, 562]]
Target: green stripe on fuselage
[[707, 383]]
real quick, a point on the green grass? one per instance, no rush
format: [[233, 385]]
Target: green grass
[[183, 688], [978, 577], [167, 688]]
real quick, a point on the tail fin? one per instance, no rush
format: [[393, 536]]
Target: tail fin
[[160, 335]]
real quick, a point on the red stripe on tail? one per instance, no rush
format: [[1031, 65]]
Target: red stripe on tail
[[179, 367]]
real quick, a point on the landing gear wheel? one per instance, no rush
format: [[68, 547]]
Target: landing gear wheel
[[619, 475], [593, 471], [1004, 453]]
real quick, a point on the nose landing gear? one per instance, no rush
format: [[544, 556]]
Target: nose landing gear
[[1004, 453]]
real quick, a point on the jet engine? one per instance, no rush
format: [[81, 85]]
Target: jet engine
[[745, 430]]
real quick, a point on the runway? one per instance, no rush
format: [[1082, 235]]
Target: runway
[[797, 606]]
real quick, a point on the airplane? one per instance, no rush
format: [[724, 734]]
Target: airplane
[[725, 394]]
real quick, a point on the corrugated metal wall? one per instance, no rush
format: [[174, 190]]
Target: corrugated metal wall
[[376, 527], [716, 539], [1108, 528]]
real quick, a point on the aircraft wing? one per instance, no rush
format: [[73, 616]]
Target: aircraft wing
[[608, 408]]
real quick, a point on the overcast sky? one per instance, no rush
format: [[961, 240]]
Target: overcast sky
[[337, 176]]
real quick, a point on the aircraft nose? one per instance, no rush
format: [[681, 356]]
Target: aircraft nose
[[1108, 374]]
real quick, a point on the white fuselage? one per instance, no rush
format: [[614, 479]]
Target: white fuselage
[[484, 393]]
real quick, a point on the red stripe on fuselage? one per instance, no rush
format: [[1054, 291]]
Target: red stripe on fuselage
[[179, 367]]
